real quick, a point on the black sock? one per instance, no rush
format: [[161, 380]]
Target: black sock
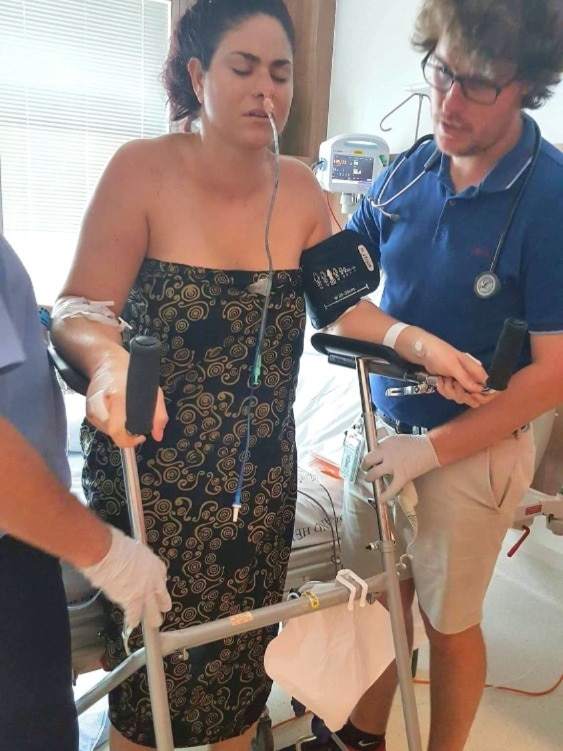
[[358, 739]]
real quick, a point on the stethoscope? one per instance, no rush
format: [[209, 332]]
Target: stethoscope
[[487, 283]]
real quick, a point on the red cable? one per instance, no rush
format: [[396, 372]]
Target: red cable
[[517, 544], [332, 212]]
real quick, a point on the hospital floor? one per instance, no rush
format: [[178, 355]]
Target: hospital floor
[[523, 628]]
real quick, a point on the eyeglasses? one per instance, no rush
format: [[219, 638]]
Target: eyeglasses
[[474, 88]]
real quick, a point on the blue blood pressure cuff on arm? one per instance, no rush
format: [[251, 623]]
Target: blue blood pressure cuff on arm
[[337, 274]]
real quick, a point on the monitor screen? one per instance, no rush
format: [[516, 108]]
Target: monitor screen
[[353, 169]]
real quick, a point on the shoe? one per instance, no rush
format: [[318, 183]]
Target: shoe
[[328, 744]]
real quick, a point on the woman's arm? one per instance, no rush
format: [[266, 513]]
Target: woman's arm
[[367, 322], [113, 242]]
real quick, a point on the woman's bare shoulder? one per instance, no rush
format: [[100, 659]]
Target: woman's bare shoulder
[[298, 169], [150, 152], [300, 180], [308, 197]]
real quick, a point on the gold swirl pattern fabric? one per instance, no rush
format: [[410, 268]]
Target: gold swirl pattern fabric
[[208, 322]]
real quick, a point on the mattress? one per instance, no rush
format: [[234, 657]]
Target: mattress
[[315, 555]]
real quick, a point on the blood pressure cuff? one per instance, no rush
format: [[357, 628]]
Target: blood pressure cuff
[[337, 274]]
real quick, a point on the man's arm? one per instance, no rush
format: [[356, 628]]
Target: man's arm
[[531, 392], [38, 509]]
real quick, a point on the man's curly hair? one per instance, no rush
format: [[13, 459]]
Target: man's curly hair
[[526, 33]]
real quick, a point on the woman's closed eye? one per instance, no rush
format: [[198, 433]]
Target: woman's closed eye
[[245, 73]]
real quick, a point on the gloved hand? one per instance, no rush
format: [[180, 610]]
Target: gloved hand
[[105, 402], [401, 458], [133, 577]]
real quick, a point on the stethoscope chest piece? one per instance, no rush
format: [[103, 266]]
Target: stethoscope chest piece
[[486, 285]]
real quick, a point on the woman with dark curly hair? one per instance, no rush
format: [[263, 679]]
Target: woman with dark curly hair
[[184, 236]]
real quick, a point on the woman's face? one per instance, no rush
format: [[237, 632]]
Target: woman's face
[[253, 61]]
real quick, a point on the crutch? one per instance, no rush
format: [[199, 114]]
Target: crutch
[[369, 358], [143, 377]]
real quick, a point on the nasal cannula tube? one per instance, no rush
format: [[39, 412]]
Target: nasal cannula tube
[[269, 109]]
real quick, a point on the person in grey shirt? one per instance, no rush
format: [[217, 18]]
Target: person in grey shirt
[[41, 521]]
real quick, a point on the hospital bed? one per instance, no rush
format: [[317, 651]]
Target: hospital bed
[[315, 554]]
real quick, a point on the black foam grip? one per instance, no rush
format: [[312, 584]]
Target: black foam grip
[[143, 379], [506, 354]]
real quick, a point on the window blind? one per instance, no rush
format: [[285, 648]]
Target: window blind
[[78, 78]]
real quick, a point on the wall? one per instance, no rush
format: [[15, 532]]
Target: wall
[[372, 66], [306, 127]]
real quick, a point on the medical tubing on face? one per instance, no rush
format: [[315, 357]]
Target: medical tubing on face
[[257, 364]]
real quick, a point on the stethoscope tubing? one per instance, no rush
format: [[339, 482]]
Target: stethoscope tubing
[[380, 204]]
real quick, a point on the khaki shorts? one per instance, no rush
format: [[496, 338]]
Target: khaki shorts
[[464, 511]]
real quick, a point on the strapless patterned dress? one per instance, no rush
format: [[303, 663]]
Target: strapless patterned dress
[[208, 322]]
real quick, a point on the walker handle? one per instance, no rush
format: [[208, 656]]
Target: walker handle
[[507, 352], [383, 361], [143, 377], [74, 379]]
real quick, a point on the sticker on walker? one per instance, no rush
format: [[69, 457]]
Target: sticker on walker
[[312, 597], [240, 618], [351, 454]]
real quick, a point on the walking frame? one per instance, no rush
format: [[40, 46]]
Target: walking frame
[[142, 386]]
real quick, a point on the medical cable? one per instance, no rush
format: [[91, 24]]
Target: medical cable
[[336, 547], [257, 364], [333, 513], [82, 605], [333, 215], [378, 203], [487, 283]]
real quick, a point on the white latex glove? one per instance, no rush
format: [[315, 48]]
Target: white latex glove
[[133, 577], [400, 458]]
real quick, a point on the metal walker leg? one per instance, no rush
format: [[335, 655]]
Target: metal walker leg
[[151, 636], [387, 547]]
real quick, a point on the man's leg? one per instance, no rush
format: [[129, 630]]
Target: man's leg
[[464, 511], [37, 707], [457, 678], [365, 729]]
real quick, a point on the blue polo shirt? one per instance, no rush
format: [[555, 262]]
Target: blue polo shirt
[[431, 254], [30, 397]]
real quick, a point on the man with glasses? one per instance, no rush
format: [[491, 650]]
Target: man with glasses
[[486, 180]]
